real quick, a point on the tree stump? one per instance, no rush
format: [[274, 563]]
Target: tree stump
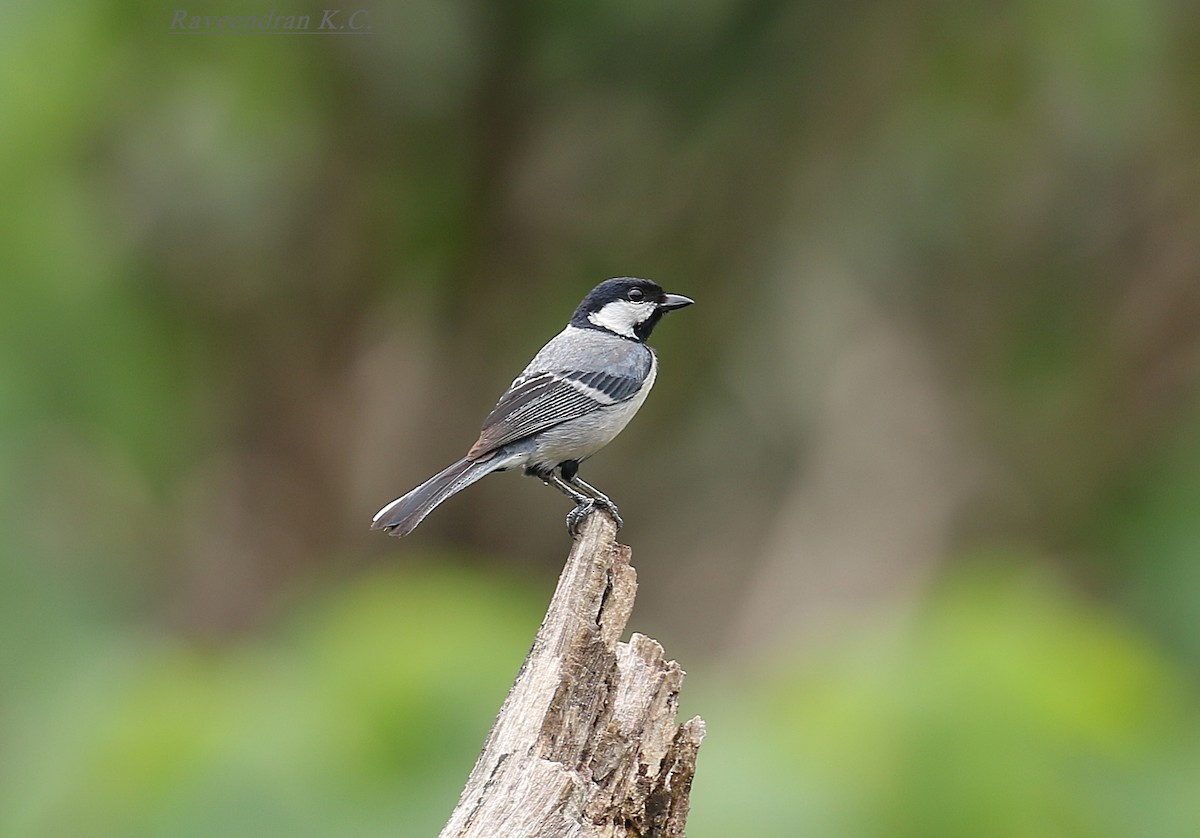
[[586, 744]]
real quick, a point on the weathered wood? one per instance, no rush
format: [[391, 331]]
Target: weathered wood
[[586, 744]]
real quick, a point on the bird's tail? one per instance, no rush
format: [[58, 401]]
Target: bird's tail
[[401, 516]]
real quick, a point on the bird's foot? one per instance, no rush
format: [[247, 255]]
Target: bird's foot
[[611, 508], [577, 515]]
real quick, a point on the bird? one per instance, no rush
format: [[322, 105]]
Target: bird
[[579, 391]]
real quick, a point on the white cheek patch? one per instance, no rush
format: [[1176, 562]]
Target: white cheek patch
[[621, 316]]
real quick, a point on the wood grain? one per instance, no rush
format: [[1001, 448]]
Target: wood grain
[[587, 742]]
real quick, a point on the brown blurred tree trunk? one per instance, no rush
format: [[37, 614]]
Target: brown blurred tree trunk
[[586, 743]]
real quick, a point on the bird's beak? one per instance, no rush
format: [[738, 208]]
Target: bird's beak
[[672, 301]]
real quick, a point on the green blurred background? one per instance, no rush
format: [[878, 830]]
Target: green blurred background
[[916, 500]]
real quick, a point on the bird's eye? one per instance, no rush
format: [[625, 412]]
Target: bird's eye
[[636, 294]]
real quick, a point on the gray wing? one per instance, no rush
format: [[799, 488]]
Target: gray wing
[[593, 372]]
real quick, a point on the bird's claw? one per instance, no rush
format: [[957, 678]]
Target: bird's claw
[[577, 515], [611, 509]]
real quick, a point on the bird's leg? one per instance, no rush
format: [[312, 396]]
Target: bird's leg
[[570, 472], [584, 505], [558, 483], [601, 499]]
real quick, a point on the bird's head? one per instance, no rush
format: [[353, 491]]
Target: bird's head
[[626, 306]]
